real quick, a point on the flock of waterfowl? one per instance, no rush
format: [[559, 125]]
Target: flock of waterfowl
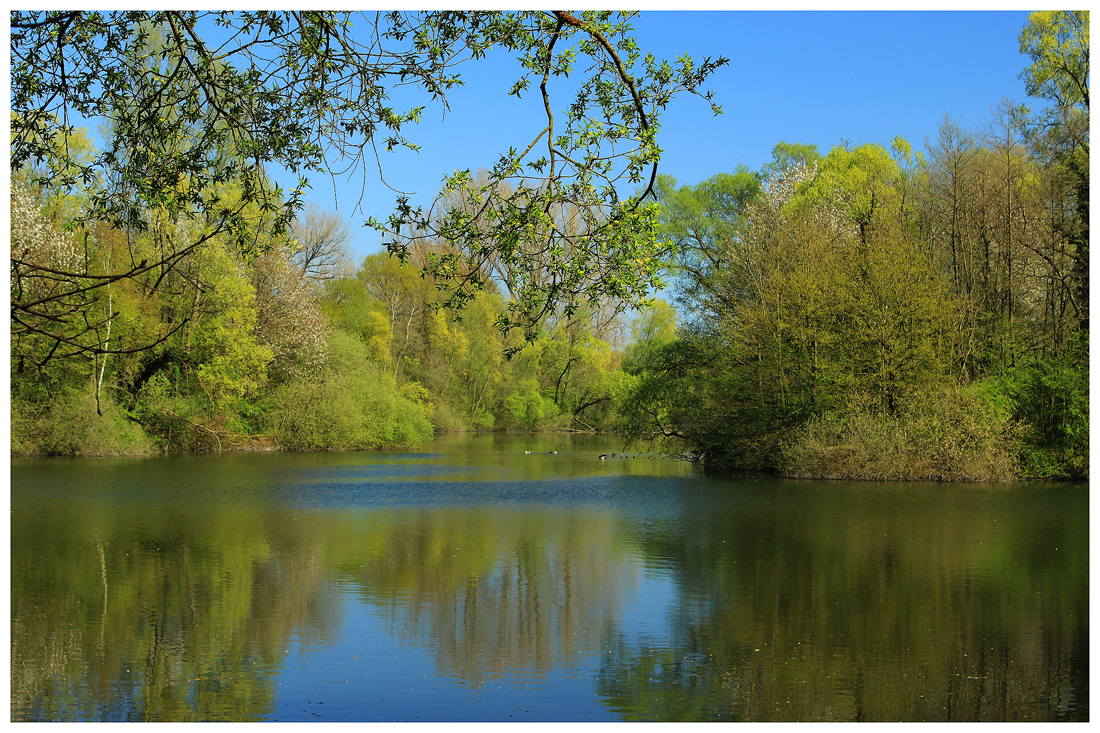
[[603, 456]]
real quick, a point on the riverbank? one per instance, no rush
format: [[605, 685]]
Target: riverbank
[[855, 445]]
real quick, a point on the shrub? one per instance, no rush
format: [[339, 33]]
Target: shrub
[[1050, 400], [181, 422], [947, 435], [527, 409], [962, 436], [21, 443], [71, 426], [854, 442], [446, 420], [350, 404]]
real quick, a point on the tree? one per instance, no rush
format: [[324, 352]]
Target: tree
[[704, 222], [653, 328], [229, 361], [562, 230], [811, 290], [462, 363], [950, 165], [575, 366], [1058, 44], [288, 318], [404, 295], [787, 156], [348, 306], [63, 308], [321, 241], [308, 91]]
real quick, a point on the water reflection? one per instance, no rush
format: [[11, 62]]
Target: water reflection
[[146, 615], [858, 602], [493, 592], [174, 589]]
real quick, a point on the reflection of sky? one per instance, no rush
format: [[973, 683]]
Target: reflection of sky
[[366, 674], [646, 611], [376, 667], [397, 492], [387, 661], [415, 480]]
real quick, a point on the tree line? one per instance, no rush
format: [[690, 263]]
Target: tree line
[[872, 311], [885, 313], [161, 282], [295, 345]]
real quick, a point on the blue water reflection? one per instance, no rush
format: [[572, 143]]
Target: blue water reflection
[[478, 582]]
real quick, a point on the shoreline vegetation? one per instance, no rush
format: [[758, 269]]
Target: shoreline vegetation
[[952, 434], [849, 446], [852, 457], [873, 311]]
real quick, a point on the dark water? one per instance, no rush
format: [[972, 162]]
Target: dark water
[[476, 582]]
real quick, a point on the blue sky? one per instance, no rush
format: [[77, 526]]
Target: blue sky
[[794, 76]]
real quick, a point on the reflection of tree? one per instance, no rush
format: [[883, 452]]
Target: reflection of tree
[[837, 605], [496, 592], [162, 616], [795, 601]]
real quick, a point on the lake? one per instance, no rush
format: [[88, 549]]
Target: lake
[[472, 581]]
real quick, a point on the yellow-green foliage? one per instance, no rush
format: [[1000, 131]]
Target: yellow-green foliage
[[653, 327], [525, 408], [463, 361], [232, 363], [946, 435], [420, 395], [350, 404], [71, 426], [832, 296]]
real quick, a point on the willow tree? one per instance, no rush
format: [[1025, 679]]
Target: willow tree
[[194, 100]]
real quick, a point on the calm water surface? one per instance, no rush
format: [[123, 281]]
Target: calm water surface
[[475, 582]]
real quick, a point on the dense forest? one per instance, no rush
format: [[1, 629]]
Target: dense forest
[[868, 311]]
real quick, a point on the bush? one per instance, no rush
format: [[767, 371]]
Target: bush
[[180, 422], [527, 409], [350, 404], [21, 443], [446, 420], [1050, 400], [947, 435], [71, 426], [852, 443], [962, 437]]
